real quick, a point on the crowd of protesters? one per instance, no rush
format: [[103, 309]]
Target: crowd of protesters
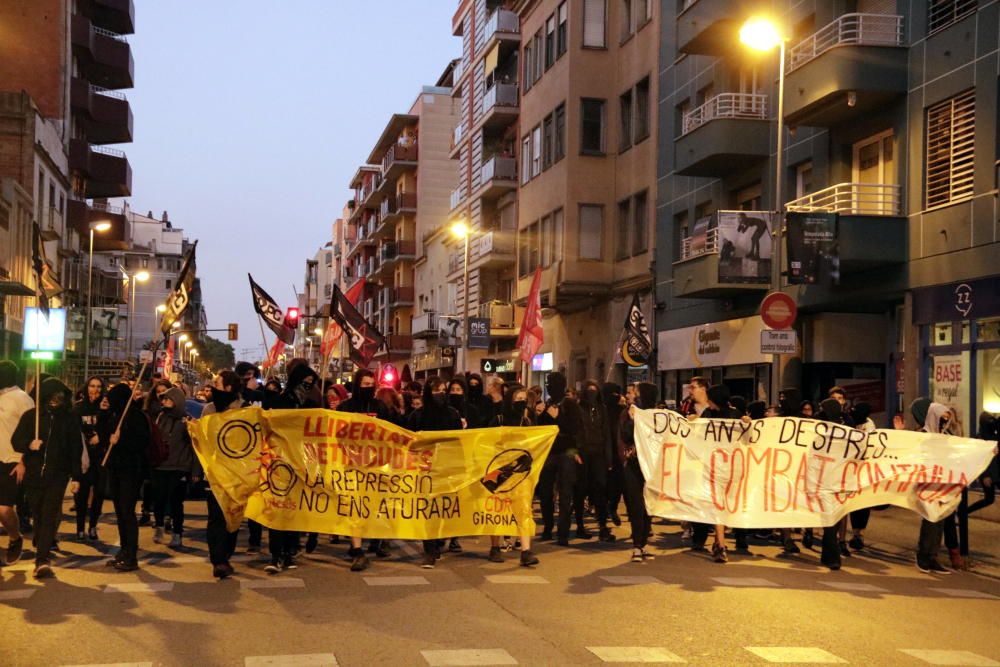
[[131, 446]]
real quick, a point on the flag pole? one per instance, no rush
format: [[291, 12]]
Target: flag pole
[[131, 399], [38, 393], [260, 322], [611, 362]]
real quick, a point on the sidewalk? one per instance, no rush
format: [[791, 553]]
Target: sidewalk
[[893, 533]]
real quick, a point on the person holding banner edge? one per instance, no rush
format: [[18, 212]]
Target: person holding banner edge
[[14, 402]]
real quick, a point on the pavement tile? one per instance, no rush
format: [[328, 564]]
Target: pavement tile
[[932, 657], [115, 664], [964, 593], [746, 581], [396, 581], [275, 582], [853, 586], [516, 579], [631, 580], [158, 587], [653, 654], [795, 654], [17, 594], [301, 660], [468, 656]]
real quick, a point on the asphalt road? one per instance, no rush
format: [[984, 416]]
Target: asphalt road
[[586, 604]]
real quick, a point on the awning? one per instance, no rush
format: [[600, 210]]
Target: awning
[[492, 57], [14, 288]]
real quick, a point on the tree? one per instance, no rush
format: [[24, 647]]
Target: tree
[[218, 354]]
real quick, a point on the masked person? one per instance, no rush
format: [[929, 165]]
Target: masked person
[[831, 410], [14, 402], [595, 452], [479, 405], [614, 404], [249, 373], [931, 418], [92, 409], [561, 467], [860, 415], [51, 461], [170, 478], [458, 400], [641, 523]]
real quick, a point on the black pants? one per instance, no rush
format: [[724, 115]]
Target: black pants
[[989, 495], [433, 547], [46, 506], [560, 470], [830, 550], [221, 542], [148, 497], [86, 506], [125, 487], [282, 544], [592, 482], [929, 541], [859, 519], [256, 533], [638, 517], [616, 484], [169, 488]]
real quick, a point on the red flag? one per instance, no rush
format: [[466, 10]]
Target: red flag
[[333, 331], [272, 356], [532, 336]]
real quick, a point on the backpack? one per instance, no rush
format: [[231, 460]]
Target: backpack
[[158, 449]]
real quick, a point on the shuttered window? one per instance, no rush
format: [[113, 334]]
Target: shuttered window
[[594, 20], [942, 13], [591, 231], [950, 142]]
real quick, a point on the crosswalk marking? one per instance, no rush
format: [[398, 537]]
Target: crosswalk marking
[[302, 660], [964, 593], [631, 580], [634, 654], [406, 548], [516, 579], [396, 581], [795, 654], [157, 587], [275, 582], [858, 587], [17, 594], [746, 581], [950, 657], [470, 656]]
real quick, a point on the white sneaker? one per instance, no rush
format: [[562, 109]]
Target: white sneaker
[[175, 541], [158, 535], [637, 555]]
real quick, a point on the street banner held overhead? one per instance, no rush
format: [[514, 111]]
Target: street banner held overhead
[[271, 312], [532, 335], [365, 340], [347, 474], [179, 299], [785, 472], [637, 346]]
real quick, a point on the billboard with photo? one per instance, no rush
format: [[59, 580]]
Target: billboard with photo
[[813, 250], [744, 246]]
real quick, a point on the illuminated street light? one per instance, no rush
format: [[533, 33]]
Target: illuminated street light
[[99, 227], [760, 34], [460, 230]]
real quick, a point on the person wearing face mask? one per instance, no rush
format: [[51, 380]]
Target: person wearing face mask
[[457, 400], [14, 402], [561, 467], [639, 519], [92, 410], [249, 373], [51, 461], [171, 477], [595, 451], [614, 404], [479, 406]]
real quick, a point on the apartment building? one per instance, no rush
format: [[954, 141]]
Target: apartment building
[[890, 110], [16, 279], [400, 204]]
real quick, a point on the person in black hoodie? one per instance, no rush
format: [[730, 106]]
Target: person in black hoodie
[[562, 466], [831, 410], [614, 404], [51, 461], [635, 482], [595, 451], [479, 406], [457, 399], [170, 478], [94, 422], [128, 467], [719, 408], [250, 374]]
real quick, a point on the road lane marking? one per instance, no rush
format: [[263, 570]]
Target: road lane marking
[[631, 580], [17, 594], [964, 593], [276, 582], [406, 548], [950, 657], [746, 581], [158, 587], [303, 660], [794, 654], [849, 586], [634, 654], [516, 579], [396, 581], [469, 656]]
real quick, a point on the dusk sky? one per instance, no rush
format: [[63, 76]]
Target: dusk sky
[[252, 116]]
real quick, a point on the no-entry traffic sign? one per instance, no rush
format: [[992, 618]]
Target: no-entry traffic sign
[[778, 310]]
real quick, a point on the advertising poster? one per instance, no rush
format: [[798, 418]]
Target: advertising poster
[[744, 246], [813, 251]]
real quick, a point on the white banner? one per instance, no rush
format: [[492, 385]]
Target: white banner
[[788, 472]]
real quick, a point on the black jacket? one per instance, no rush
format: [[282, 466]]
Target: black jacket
[[594, 440], [129, 455], [173, 430], [93, 421], [434, 418], [570, 423], [59, 430]]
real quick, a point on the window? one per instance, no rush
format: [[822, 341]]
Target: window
[[591, 231], [550, 41], [548, 141], [537, 46], [749, 198], [559, 151], [526, 159], [167, 284], [594, 24], [681, 232], [641, 227], [641, 110], [529, 66], [643, 10], [625, 121], [804, 179], [942, 13], [532, 247], [536, 151], [522, 252], [627, 26], [950, 138], [561, 36], [592, 126], [546, 240], [621, 234]]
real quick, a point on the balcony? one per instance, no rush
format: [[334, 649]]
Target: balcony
[[498, 176], [711, 27], [398, 250], [117, 15], [104, 57], [500, 106], [502, 25], [850, 67], [106, 114], [701, 273], [399, 204], [872, 230], [456, 139], [106, 170], [400, 297], [425, 325], [79, 215], [501, 316], [399, 345], [398, 159], [457, 198], [496, 250], [727, 133]]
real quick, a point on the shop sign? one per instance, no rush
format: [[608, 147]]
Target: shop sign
[[968, 300], [717, 344], [950, 375], [542, 362]]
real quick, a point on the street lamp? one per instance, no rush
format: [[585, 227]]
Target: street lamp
[[99, 227], [187, 346], [762, 34], [460, 230], [138, 277]]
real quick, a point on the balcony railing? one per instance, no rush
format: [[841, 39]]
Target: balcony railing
[[456, 137], [727, 105], [501, 94], [108, 33], [851, 199], [692, 246], [499, 313], [497, 167], [107, 93], [399, 153], [847, 30], [459, 69], [425, 323], [456, 261], [457, 195], [502, 21], [400, 295], [396, 249]]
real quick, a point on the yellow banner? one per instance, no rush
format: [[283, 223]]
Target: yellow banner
[[346, 474]]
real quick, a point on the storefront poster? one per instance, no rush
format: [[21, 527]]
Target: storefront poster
[[813, 251], [744, 246], [950, 384]]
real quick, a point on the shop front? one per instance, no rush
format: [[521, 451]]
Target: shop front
[[959, 332]]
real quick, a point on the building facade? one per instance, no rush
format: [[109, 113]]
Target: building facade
[[889, 156]]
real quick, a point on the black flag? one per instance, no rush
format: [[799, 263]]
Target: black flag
[[365, 339], [43, 276], [637, 347], [273, 316], [179, 299]]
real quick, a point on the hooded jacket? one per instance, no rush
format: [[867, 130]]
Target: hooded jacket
[[296, 395], [611, 394], [569, 421], [479, 407], [434, 417], [646, 399], [718, 395], [363, 405], [173, 430], [935, 411], [93, 422], [61, 452], [129, 455], [594, 440]]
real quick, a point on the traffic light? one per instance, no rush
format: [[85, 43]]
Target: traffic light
[[389, 377], [292, 318], [234, 331]]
